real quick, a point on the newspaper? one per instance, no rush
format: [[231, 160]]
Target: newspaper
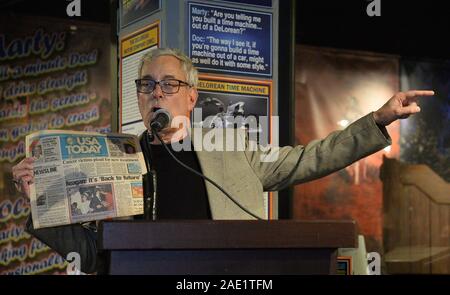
[[84, 176]]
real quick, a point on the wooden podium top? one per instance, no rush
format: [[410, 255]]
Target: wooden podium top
[[227, 234]]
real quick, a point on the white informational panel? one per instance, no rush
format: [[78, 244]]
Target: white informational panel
[[229, 40], [132, 48]]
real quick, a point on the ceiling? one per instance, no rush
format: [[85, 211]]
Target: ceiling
[[408, 28]]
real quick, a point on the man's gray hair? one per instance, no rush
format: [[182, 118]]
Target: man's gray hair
[[186, 63]]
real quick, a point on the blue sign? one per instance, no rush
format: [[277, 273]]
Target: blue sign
[[79, 146], [230, 40]]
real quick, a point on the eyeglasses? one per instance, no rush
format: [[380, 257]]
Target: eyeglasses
[[168, 86]]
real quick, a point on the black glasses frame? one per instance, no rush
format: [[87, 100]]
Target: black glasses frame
[[161, 85]]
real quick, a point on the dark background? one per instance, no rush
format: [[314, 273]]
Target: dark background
[[407, 28]]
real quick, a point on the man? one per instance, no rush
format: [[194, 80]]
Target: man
[[37, 151], [167, 79], [84, 203], [96, 203], [75, 210]]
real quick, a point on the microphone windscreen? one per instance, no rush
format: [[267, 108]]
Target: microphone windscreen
[[160, 119]]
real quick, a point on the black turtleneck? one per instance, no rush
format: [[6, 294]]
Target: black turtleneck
[[180, 193]]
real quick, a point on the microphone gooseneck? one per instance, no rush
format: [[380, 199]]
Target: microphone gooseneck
[[151, 188]]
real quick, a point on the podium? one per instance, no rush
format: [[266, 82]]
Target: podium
[[234, 247]]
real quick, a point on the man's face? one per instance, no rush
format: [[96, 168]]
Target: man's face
[[178, 104]]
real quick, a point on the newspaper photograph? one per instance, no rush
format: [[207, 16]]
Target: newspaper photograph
[[84, 176]]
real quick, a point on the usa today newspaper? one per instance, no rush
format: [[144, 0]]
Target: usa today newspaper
[[84, 176]]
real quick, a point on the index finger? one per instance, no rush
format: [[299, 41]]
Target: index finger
[[24, 165], [28, 160], [414, 93]]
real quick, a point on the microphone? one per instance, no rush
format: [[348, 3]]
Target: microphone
[[160, 119]]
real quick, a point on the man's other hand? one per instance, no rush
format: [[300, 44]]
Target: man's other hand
[[23, 175], [400, 106]]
